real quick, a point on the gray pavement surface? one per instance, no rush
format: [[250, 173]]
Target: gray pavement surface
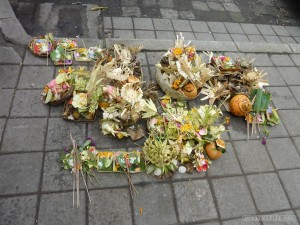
[[247, 185]]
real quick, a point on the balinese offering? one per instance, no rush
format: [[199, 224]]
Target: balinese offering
[[88, 54], [182, 139], [181, 72], [59, 89], [42, 46]]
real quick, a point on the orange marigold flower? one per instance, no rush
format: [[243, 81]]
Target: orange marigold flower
[[177, 51]]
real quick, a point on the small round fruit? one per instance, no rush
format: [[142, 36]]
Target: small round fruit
[[189, 90], [212, 151], [240, 105]]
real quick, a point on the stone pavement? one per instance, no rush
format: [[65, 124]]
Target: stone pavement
[[249, 180]]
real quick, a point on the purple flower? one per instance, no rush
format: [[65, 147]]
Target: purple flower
[[93, 143], [66, 149], [264, 141]]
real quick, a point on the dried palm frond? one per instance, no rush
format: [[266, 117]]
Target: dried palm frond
[[215, 90], [254, 78], [131, 93]]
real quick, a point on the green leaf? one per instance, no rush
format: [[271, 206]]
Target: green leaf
[[107, 163], [48, 97]]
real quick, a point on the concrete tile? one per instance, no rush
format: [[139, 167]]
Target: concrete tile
[[149, 3], [231, 7], [144, 34], [222, 37], [58, 135], [107, 22], [26, 134], [272, 39], [197, 191], [197, 5], [241, 221], [109, 180], [265, 29], [116, 209], [296, 92], [154, 57], [294, 31], [9, 56], [131, 11], [273, 76], [280, 30], [162, 24], [188, 36], [297, 39], [238, 129], [290, 118], [193, 175], [204, 36], [55, 177], [143, 24], [129, 2], [122, 23], [20, 173], [286, 217], [59, 206], [28, 103], [30, 59], [287, 40], [226, 165], [141, 57], [6, 97], [35, 76], [217, 27], [2, 124], [199, 26], [287, 159], [250, 28], [267, 192], [18, 210], [291, 75], [281, 60], [229, 191], [168, 35], [237, 17], [291, 184], [154, 194], [9, 75], [104, 141], [260, 59], [166, 3], [169, 13], [253, 156], [277, 131], [256, 38], [234, 28], [296, 141], [283, 98], [215, 6], [296, 59], [56, 111], [124, 34], [239, 37], [186, 15], [146, 75], [181, 25]]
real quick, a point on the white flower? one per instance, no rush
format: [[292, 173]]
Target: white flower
[[80, 100], [131, 94]]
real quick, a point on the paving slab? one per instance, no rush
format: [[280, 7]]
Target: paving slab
[[291, 121], [59, 206], [2, 125], [30, 59], [20, 173], [199, 193], [252, 156], [217, 27], [35, 76], [161, 197], [241, 221], [24, 134], [283, 98], [268, 192], [6, 97], [181, 25], [199, 26], [291, 75], [296, 59], [18, 210], [27, 103], [273, 76], [281, 60], [229, 204], [256, 38], [9, 75], [291, 184], [162, 24], [286, 217], [226, 165], [110, 206], [58, 134], [287, 159], [143, 24], [296, 141], [263, 47]]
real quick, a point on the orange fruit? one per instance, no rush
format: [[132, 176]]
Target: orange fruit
[[240, 105], [212, 151]]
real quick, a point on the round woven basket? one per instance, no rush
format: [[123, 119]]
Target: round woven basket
[[65, 97], [169, 90], [81, 119], [30, 46]]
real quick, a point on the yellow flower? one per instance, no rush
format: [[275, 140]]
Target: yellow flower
[[185, 128], [177, 51]]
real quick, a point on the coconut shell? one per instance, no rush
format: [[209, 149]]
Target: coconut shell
[[190, 90], [240, 105]]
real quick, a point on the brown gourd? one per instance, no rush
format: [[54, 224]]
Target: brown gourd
[[240, 105], [189, 90]]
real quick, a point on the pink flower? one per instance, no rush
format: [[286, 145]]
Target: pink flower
[[203, 131], [65, 87]]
